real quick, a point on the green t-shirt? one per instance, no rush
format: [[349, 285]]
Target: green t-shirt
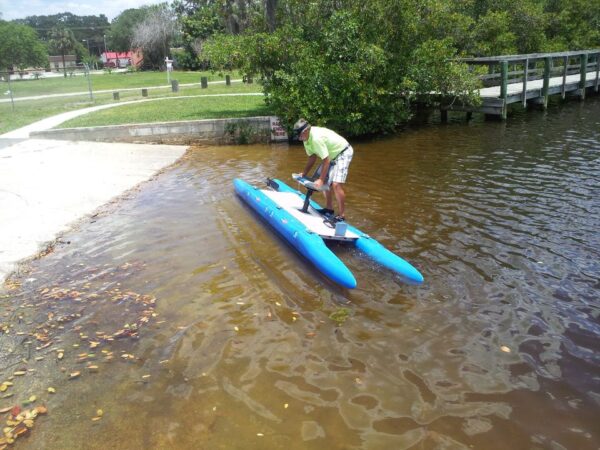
[[324, 142]]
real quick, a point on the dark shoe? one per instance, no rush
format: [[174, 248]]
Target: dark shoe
[[325, 211], [339, 218]]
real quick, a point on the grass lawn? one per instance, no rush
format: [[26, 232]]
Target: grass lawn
[[114, 80], [29, 111], [172, 109]]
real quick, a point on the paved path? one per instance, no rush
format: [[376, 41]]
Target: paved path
[[104, 91]]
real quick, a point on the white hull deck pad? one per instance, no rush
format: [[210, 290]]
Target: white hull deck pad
[[313, 221]]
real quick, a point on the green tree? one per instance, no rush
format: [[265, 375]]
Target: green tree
[[90, 28], [493, 36], [346, 64], [573, 25], [20, 47], [62, 41]]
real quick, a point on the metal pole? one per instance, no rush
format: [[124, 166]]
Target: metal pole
[[12, 100], [89, 77]]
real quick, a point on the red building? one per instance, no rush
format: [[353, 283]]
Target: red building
[[122, 59]]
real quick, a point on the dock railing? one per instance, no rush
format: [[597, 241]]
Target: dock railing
[[507, 70]]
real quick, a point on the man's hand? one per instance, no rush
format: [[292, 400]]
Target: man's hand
[[318, 183]]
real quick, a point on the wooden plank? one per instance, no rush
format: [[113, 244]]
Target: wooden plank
[[522, 57]]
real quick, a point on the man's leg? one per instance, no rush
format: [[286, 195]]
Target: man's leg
[[329, 199], [340, 197]]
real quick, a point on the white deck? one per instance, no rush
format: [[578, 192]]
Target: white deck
[[532, 85], [313, 221]]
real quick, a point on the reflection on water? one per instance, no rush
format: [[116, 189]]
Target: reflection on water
[[498, 349]]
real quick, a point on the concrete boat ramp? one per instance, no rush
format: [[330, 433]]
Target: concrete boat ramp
[[46, 186]]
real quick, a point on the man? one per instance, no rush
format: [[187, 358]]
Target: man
[[336, 155]]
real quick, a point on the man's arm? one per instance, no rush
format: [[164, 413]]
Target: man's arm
[[324, 172], [309, 164]]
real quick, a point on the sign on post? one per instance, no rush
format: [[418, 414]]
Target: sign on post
[[278, 133], [169, 64]]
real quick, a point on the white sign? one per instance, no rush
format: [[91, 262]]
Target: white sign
[[278, 133], [169, 64]]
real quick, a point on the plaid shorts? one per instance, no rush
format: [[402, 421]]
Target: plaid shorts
[[338, 169]]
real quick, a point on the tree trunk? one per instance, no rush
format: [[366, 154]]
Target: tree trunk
[[270, 7]]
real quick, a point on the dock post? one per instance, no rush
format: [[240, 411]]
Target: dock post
[[583, 60], [545, 88], [203, 82], [564, 83], [504, 86], [444, 115], [597, 70], [525, 74]]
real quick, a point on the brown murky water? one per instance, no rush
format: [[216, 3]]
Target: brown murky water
[[498, 349]]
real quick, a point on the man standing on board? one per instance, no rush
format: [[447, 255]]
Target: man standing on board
[[336, 155]]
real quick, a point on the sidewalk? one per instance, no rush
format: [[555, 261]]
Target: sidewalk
[[105, 91]]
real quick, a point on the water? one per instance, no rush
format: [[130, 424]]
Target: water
[[498, 349]]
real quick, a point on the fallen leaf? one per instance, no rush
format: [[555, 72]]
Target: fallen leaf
[[74, 375], [99, 413], [505, 349], [41, 409], [32, 399], [51, 390], [19, 373]]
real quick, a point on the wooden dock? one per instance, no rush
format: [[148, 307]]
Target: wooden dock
[[531, 79]]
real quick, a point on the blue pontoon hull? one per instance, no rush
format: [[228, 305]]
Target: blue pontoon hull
[[312, 246]]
